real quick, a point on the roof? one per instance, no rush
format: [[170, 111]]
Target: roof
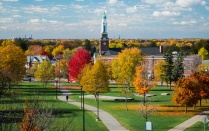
[[150, 51]]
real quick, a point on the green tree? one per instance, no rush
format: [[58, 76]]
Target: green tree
[[124, 68], [45, 72], [178, 68], [167, 68]]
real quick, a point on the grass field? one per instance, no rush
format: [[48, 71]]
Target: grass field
[[165, 116], [47, 97]]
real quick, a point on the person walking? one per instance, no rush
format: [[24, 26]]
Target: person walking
[[66, 97]]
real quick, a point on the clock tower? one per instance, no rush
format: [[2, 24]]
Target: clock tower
[[104, 42]]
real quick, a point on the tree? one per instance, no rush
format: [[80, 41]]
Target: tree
[[178, 68], [34, 50], [12, 66], [40, 118], [59, 49], [158, 70], [142, 82], [124, 68], [94, 79], [45, 72], [62, 68], [203, 53], [203, 82], [186, 92], [167, 68], [77, 62]]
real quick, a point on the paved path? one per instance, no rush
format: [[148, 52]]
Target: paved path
[[109, 121], [183, 126]]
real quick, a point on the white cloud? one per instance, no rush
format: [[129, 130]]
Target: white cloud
[[17, 16], [165, 13], [154, 1], [185, 22], [79, 0], [6, 20], [35, 21], [11, 0], [78, 6], [188, 3], [207, 8], [99, 11], [112, 1], [39, 0], [3, 28], [35, 9], [122, 24], [131, 9]]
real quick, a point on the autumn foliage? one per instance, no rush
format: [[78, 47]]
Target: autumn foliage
[[77, 63]]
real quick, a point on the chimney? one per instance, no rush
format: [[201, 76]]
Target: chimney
[[161, 49]]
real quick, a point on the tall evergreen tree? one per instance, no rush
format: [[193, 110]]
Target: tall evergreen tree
[[167, 68], [178, 68]]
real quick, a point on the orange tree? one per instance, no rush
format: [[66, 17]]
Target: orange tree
[[142, 82], [124, 68], [203, 82], [186, 92]]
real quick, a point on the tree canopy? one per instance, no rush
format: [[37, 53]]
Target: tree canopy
[[77, 62]]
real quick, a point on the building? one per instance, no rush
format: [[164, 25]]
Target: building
[[152, 54]]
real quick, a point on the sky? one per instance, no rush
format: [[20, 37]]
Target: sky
[[81, 19]]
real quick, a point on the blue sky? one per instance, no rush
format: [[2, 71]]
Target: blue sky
[[70, 19]]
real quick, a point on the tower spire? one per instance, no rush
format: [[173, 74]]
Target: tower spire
[[104, 23]]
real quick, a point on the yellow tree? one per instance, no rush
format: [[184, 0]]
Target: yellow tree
[[94, 79], [12, 65], [61, 69], [124, 68], [58, 50], [45, 72], [48, 49], [203, 53], [7, 42], [158, 70]]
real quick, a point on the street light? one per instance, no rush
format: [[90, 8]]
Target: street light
[[56, 88], [97, 94], [82, 106]]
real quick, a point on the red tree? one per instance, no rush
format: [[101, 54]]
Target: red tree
[[77, 63]]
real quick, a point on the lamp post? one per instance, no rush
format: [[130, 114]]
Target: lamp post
[[81, 98], [97, 94], [56, 89], [83, 113]]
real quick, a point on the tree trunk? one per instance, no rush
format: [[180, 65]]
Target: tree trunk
[[126, 101], [144, 100], [186, 108], [200, 102]]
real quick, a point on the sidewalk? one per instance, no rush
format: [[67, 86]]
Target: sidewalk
[[183, 126], [109, 121]]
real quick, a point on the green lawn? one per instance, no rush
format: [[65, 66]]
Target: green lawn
[[199, 126], [46, 96], [166, 116]]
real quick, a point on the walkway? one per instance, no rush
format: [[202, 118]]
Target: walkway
[[109, 121], [183, 126]]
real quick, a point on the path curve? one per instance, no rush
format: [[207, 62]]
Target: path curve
[[109, 121], [183, 126]]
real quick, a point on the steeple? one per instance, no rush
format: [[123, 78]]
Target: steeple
[[104, 24], [104, 42]]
